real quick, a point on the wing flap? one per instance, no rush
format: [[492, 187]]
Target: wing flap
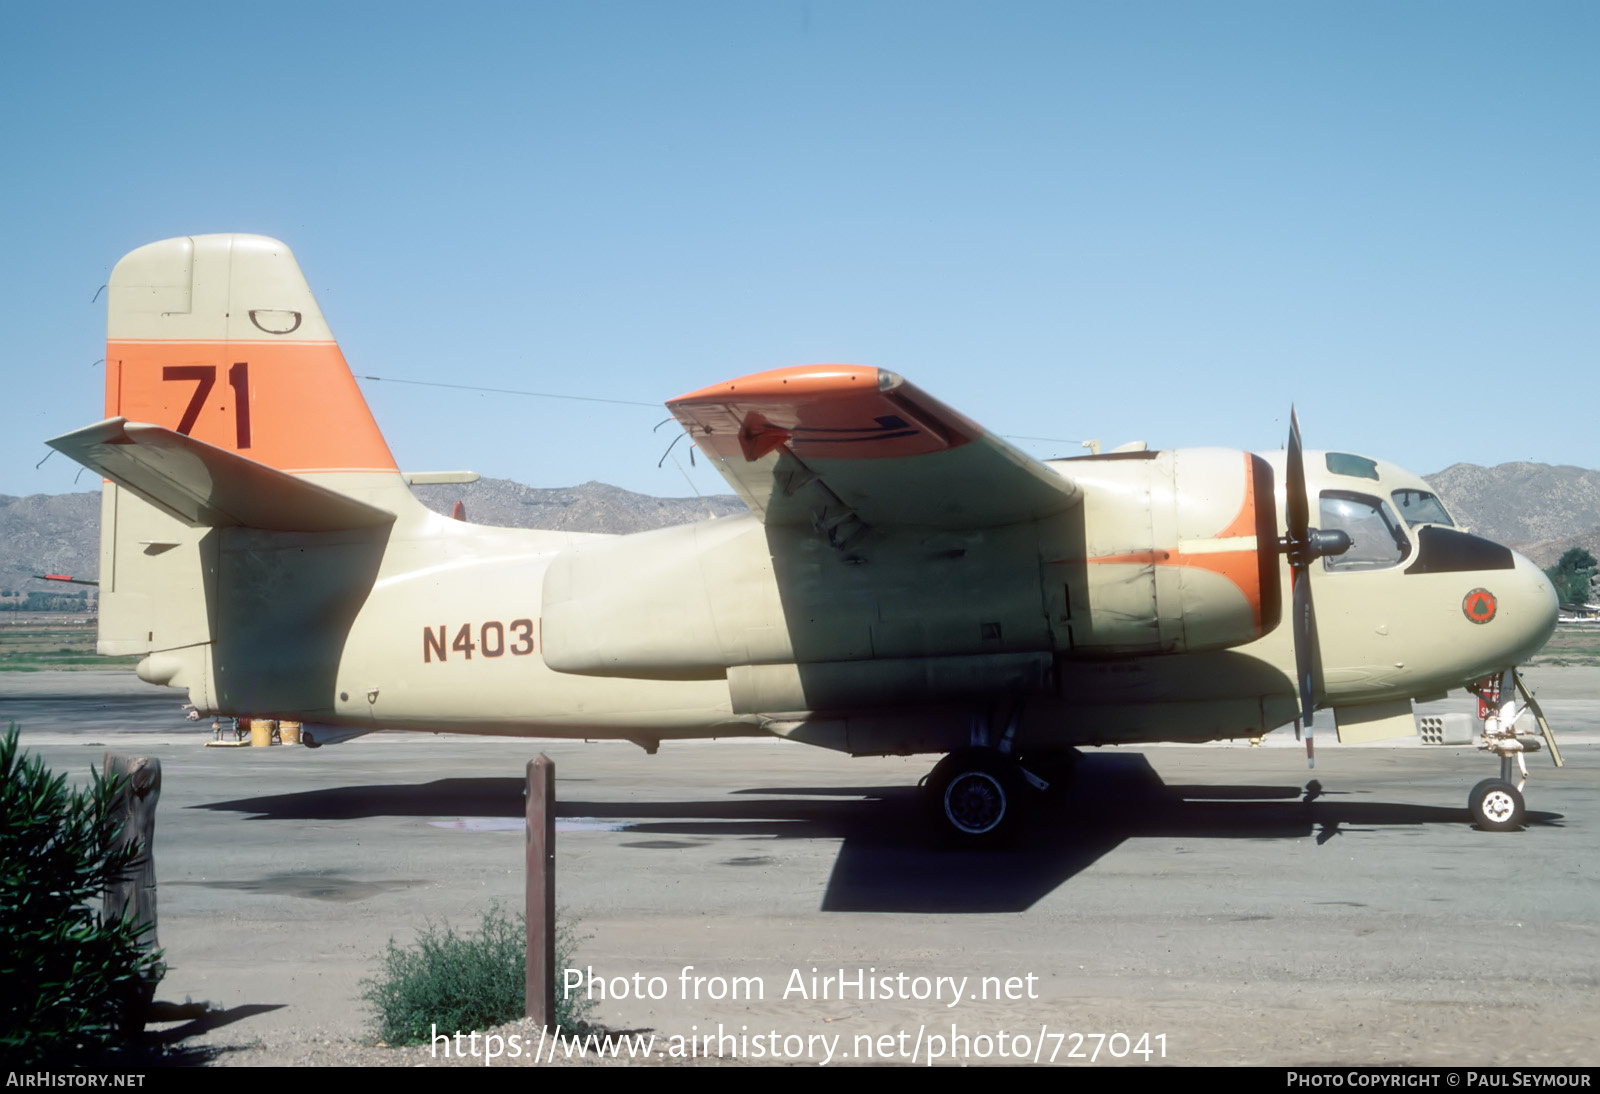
[[839, 446], [206, 486]]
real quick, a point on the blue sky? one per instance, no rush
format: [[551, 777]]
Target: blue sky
[[1162, 221]]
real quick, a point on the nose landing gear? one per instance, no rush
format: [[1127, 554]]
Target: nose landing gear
[[1497, 804]]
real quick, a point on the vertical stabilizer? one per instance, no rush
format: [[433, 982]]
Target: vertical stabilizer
[[218, 338]]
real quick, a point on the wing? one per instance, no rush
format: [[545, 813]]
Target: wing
[[842, 448]]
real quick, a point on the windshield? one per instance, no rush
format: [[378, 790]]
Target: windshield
[[1377, 540], [1421, 507]]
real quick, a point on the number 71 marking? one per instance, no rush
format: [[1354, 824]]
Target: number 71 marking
[[206, 378]]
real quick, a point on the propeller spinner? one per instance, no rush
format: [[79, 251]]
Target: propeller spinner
[[1303, 545]]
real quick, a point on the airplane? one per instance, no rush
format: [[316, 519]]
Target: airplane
[[905, 581]]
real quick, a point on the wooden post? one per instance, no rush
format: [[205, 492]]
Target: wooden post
[[541, 895], [133, 896]]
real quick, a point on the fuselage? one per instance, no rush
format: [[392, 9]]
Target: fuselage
[[1093, 625]]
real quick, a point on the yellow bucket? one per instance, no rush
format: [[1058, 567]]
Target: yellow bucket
[[261, 732], [289, 733]]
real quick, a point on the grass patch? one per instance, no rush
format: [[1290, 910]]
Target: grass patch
[[1572, 644], [29, 647], [463, 982]]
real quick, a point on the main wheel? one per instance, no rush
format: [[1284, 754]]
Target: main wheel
[[976, 794], [1496, 806]]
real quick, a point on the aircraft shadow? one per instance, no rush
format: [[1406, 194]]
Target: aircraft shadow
[[199, 1018], [891, 858], [468, 797]]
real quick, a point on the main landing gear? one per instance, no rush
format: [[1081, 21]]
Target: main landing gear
[[978, 794], [1496, 804]]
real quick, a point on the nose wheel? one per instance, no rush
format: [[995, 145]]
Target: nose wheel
[[1496, 806]]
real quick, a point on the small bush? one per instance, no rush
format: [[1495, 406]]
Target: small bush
[[456, 982], [68, 976]]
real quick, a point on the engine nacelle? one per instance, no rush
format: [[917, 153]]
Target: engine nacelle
[[1171, 552]]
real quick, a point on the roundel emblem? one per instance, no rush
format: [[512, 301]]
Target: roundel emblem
[[1479, 606]]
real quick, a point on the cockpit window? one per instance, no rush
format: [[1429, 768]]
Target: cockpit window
[[1421, 507], [1377, 538], [1357, 467]]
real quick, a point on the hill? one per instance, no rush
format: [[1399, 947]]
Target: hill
[[48, 534], [1535, 508], [591, 507]]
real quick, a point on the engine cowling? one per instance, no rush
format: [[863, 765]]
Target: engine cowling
[[1171, 552]]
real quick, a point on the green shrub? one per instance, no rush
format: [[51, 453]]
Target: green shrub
[[68, 976], [456, 982]]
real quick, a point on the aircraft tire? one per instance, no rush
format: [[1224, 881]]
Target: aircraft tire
[[976, 795], [1496, 806]]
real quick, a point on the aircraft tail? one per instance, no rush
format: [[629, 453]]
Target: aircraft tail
[[218, 338], [229, 408]]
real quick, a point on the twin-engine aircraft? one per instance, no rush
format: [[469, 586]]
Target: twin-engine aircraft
[[905, 581]]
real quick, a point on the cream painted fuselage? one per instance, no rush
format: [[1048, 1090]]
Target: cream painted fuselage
[[1077, 628]]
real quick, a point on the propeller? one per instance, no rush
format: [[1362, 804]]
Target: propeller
[[1303, 545]]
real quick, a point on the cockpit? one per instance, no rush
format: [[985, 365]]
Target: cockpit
[[1392, 518]]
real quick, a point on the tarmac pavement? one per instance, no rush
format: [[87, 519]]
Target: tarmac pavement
[[1210, 900]]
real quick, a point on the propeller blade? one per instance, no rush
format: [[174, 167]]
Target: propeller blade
[[1298, 511], [1303, 544], [1305, 651], [1305, 633]]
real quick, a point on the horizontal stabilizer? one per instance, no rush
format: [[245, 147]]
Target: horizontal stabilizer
[[206, 486]]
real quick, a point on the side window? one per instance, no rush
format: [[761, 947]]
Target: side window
[[1357, 467], [1377, 539]]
